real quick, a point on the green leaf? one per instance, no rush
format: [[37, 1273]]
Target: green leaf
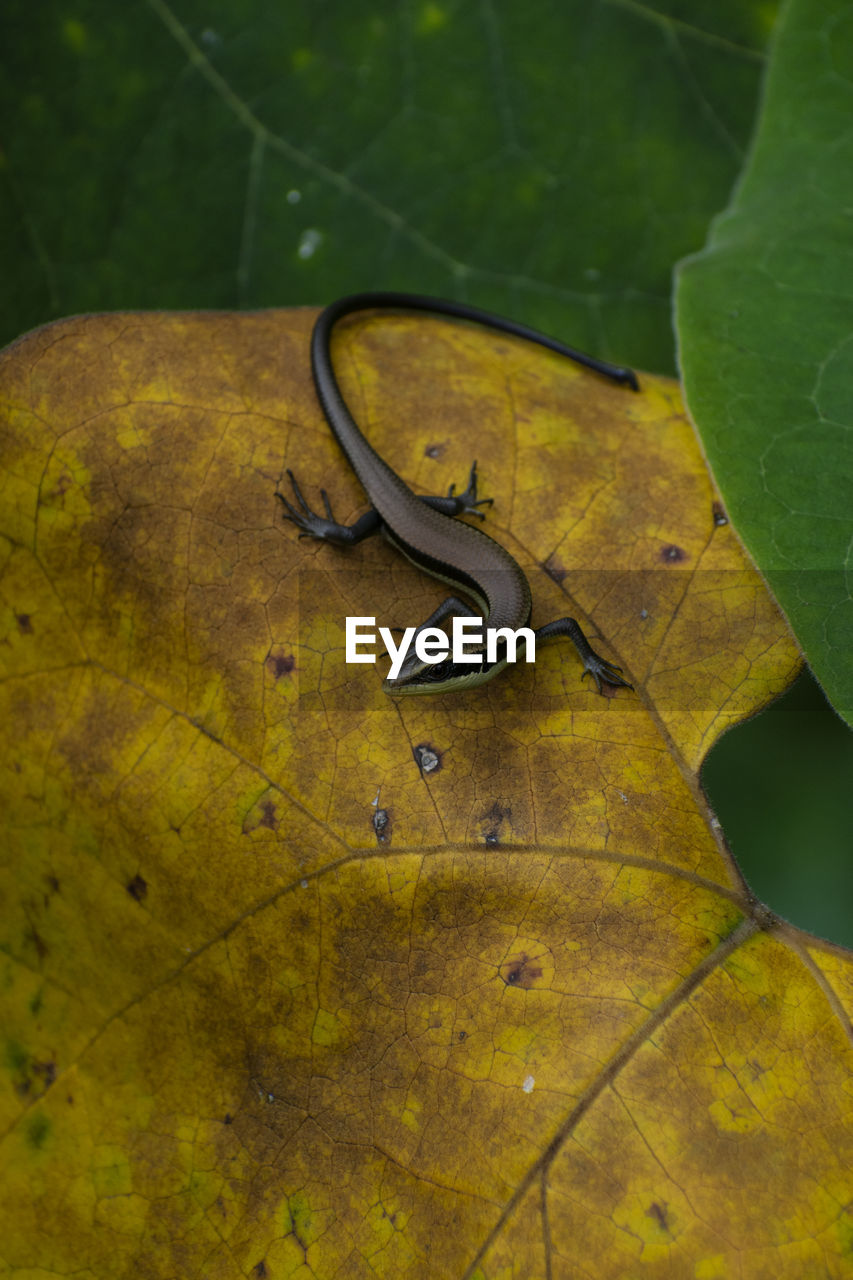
[[529, 158], [765, 317]]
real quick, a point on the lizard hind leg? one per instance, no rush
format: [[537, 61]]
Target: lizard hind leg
[[593, 664]]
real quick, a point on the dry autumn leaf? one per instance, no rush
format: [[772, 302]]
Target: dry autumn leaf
[[301, 981]]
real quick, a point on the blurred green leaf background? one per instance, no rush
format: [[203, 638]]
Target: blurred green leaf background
[[764, 317], [551, 161]]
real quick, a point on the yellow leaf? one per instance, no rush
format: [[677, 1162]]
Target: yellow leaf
[[300, 981]]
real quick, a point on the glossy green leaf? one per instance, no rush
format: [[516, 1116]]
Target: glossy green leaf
[[766, 330], [531, 158]]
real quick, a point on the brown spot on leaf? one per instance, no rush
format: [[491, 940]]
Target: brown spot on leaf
[[47, 1071], [137, 887], [280, 664], [492, 821], [434, 450], [658, 1212], [268, 818], [63, 484], [52, 888], [38, 942], [427, 758], [381, 823], [608, 690], [260, 1270], [521, 971], [671, 554], [262, 814], [32, 1079], [25, 625]]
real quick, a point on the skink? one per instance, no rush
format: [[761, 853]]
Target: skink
[[423, 528]]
